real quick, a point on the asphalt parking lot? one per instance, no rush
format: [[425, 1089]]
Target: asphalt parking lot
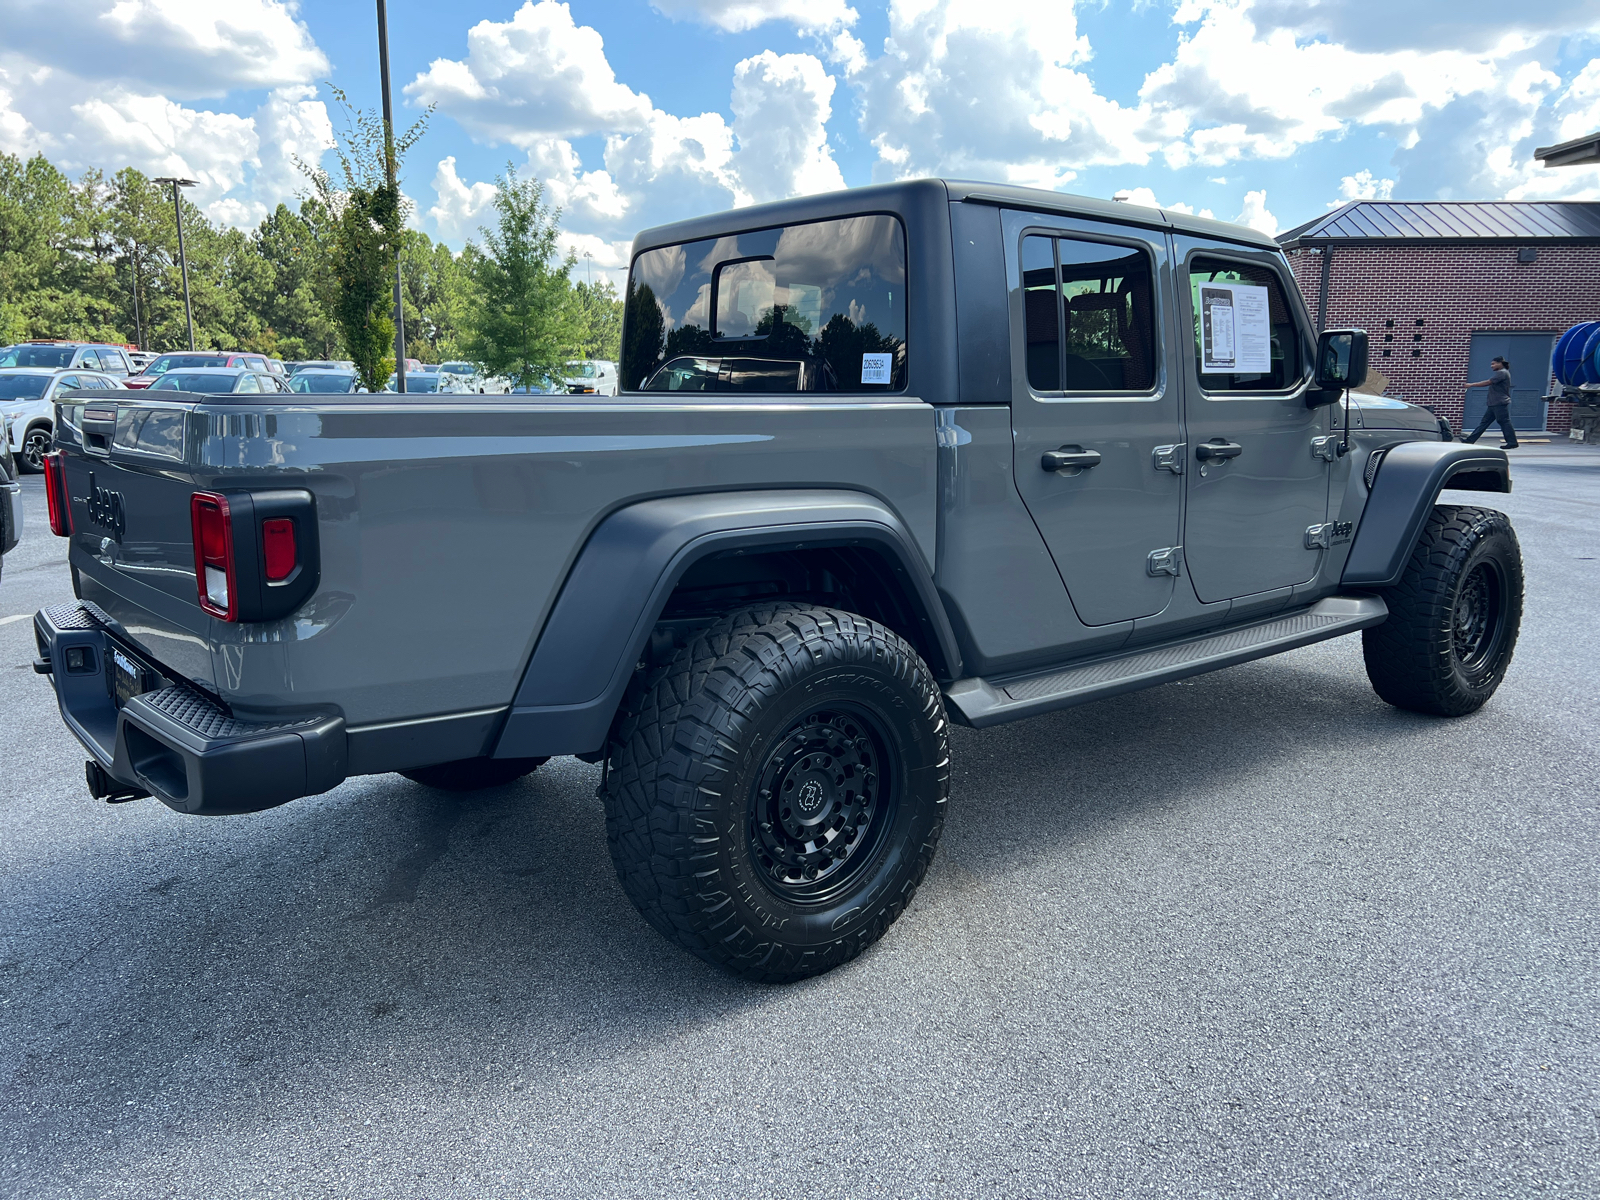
[[1256, 934]]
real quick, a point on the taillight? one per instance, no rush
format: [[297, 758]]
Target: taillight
[[55, 494], [215, 579], [277, 548]]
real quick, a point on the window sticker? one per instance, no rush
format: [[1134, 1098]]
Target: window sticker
[[876, 368], [1235, 329]]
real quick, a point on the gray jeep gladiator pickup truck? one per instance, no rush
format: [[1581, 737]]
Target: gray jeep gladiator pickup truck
[[882, 459]]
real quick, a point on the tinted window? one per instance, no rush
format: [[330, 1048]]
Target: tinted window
[[172, 362], [90, 359], [322, 383], [193, 381], [1089, 312], [1285, 337], [23, 387], [37, 356], [814, 307]]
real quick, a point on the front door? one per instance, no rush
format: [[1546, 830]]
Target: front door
[[1529, 356], [1258, 459], [1094, 408]]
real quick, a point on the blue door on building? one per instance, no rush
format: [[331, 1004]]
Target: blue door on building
[[1529, 356]]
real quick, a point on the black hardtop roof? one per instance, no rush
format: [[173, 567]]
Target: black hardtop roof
[[896, 197]]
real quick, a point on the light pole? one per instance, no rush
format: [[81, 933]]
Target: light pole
[[388, 166], [183, 260], [588, 274]]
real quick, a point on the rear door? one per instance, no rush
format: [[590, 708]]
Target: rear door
[[1258, 460], [1094, 410]]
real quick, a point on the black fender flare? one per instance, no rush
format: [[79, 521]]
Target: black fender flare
[[611, 599], [1408, 481]]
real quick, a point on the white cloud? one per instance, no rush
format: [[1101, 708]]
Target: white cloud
[[1363, 185], [735, 16], [1255, 214], [183, 48], [1146, 197], [535, 76], [459, 209], [780, 116]]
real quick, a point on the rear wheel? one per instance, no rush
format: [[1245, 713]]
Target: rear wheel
[[1453, 617], [774, 794], [470, 774]]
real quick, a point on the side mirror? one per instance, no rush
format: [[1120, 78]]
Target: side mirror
[[1341, 364]]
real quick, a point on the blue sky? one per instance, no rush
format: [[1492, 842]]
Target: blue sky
[[1266, 111]]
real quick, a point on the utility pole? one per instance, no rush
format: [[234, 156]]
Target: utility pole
[[183, 260], [389, 169], [588, 274], [138, 327]]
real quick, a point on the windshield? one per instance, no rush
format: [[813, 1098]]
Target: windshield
[[581, 370], [194, 381], [37, 356], [304, 382], [173, 362], [23, 387], [417, 383], [458, 369]]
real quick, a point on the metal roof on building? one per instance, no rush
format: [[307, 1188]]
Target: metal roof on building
[[1523, 221]]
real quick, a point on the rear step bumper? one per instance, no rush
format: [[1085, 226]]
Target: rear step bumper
[[174, 742], [982, 702]]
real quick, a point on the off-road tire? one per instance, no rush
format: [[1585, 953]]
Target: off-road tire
[[706, 741], [1453, 617], [471, 774]]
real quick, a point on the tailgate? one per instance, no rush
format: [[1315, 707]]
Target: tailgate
[[127, 460]]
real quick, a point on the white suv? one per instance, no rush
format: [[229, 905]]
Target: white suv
[[28, 408]]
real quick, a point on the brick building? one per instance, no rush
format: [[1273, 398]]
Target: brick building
[[1441, 286]]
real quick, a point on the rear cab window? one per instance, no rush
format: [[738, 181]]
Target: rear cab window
[[813, 307], [1246, 338]]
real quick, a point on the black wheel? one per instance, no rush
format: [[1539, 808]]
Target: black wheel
[[1453, 617], [470, 774], [35, 445], [775, 793]]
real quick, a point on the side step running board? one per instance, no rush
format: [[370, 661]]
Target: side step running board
[[983, 702]]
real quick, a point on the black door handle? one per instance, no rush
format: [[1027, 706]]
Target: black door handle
[[1068, 456], [1217, 448]]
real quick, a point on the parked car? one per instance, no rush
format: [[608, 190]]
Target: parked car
[[324, 381], [275, 365], [28, 408], [10, 503], [93, 356], [1071, 448], [218, 381], [592, 377], [187, 360], [140, 359]]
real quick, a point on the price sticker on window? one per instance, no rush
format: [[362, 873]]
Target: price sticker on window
[[876, 368]]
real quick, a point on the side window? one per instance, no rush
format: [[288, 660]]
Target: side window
[[67, 383], [114, 361], [247, 383], [1245, 336], [1089, 309], [88, 358], [818, 307]]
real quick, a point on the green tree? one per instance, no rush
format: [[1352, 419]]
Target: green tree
[[367, 218], [597, 312], [434, 284], [289, 304], [520, 323]]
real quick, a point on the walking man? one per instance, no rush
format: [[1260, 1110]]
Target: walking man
[[1499, 385]]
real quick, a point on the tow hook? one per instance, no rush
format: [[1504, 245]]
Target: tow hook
[[103, 787]]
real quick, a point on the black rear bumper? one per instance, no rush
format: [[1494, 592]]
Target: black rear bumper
[[174, 742]]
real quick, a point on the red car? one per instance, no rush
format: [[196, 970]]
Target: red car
[[198, 358]]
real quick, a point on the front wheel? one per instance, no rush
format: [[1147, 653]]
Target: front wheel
[[35, 445], [774, 795], [1453, 617]]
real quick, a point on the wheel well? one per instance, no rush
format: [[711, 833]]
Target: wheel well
[[858, 579]]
